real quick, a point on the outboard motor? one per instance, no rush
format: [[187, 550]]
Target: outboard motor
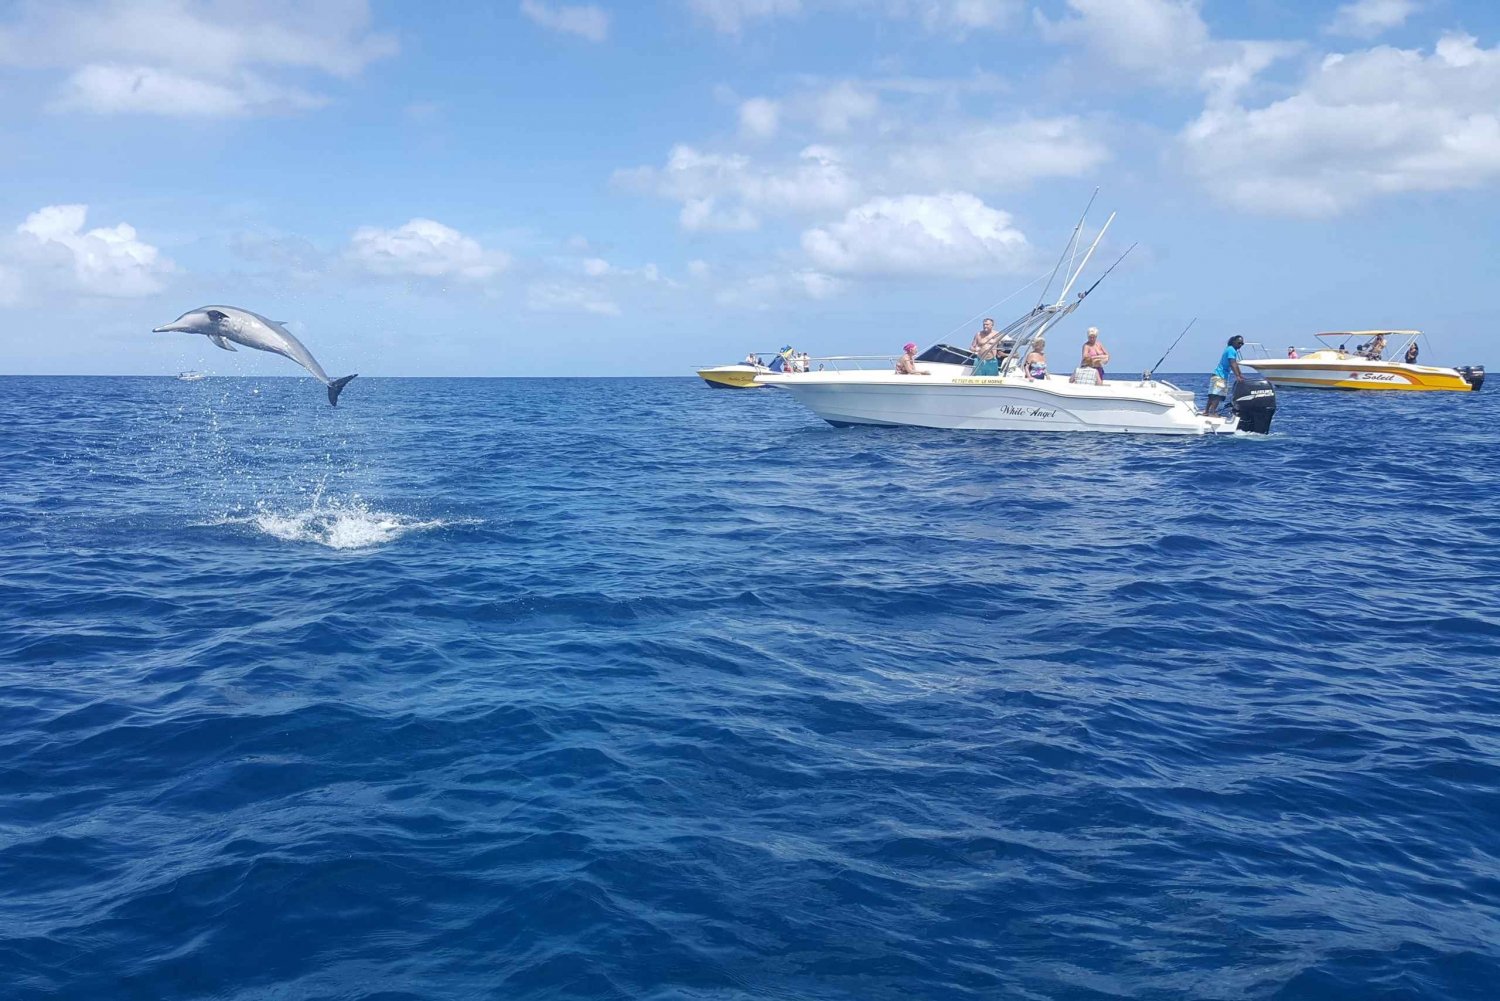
[[1254, 402], [1473, 375]]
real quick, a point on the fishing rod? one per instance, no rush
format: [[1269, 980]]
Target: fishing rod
[[1085, 294], [1152, 370]]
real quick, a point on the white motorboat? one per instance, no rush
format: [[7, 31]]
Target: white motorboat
[[191, 376], [950, 396], [742, 376]]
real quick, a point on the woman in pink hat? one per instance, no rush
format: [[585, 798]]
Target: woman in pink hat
[[907, 363]]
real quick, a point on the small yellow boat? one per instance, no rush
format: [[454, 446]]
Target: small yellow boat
[[1334, 366], [732, 376], [742, 376]]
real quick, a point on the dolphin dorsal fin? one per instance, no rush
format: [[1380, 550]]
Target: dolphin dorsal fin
[[221, 342]]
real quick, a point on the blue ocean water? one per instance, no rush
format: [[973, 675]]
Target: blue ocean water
[[635, 689]]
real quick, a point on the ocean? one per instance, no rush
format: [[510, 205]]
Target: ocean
[[633, 689]]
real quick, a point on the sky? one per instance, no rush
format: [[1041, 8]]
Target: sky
[[610, 188]]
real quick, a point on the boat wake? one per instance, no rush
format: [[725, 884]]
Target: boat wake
[[335, 525]]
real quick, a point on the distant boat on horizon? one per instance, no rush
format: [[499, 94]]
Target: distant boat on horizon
[[191, 376]]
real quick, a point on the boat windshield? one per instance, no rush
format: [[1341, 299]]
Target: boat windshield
[[946, 354]]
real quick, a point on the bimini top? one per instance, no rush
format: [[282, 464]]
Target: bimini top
[[1368, 333]]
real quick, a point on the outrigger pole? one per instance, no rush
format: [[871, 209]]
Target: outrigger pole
[[1072, 243]]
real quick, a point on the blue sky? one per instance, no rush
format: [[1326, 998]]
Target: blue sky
[[547, 188]]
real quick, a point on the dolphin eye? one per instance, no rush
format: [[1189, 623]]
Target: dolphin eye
[[218, 316]]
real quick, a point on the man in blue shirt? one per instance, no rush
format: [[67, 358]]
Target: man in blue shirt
[[1219, 382]]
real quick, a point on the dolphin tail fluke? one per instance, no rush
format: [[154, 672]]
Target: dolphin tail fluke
[[336, 387]]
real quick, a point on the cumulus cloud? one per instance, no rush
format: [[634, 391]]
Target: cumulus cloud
[[731, 17], [945, 234], [1361, 125], [189, 58], [764, 291], [425, 249], [997, 156], [729, 192], [759, 118], [588, 22], [1164, 42], [1368, 18], [54, 249]]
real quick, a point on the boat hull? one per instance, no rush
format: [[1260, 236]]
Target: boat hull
[[730, 377], [1352, 374], [999, 404]]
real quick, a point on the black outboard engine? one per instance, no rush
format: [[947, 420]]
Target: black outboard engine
[[1473, 375], [1254, 402]]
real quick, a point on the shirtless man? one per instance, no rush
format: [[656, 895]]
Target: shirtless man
[[986, 349]]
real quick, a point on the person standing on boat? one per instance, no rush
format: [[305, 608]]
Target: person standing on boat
[[907, 363], [1095, 355], [986, 349], [1036, 359], [1218, 383], [1291, 352], [1411, 354]]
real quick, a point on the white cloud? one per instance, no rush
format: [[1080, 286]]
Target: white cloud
[[759, 118], [109, 261], [729, 17], [1368, 18], [728, 192], [1165, 42], [564, 297], [587, 21], [842, 106], [191, 57], [1365, 124], [427, 249], [945, 234], [595, 267], [960, 16], [124, 89], [990, 156], [768, 290]]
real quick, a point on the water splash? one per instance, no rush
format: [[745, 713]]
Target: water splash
[[335, 524]]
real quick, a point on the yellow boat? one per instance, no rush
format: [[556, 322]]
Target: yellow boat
[[1334, 366], [742, 376], [732, 376]]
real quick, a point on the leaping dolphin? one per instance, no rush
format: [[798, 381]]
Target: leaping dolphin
[[226, 324]]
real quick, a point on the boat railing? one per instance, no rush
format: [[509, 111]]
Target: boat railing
[[852, 363]]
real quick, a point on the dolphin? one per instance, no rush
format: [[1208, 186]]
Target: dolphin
[[227, 326]]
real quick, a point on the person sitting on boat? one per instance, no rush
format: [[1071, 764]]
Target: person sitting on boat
[[1291, 352], [1036, 359], [1095, 355], [986, 349], [907, 363], [1411, 354], [752, 359], [1218, 383], [1373, 348]]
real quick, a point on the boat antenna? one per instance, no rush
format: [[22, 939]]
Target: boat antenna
[[1070, 248], [1085, 263], [1151, 371]]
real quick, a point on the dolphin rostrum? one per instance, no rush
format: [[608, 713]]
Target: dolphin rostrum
[[230, 325]]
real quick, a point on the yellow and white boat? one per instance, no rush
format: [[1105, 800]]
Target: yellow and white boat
[[1334, 366], [742, 376], [732, 376]]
